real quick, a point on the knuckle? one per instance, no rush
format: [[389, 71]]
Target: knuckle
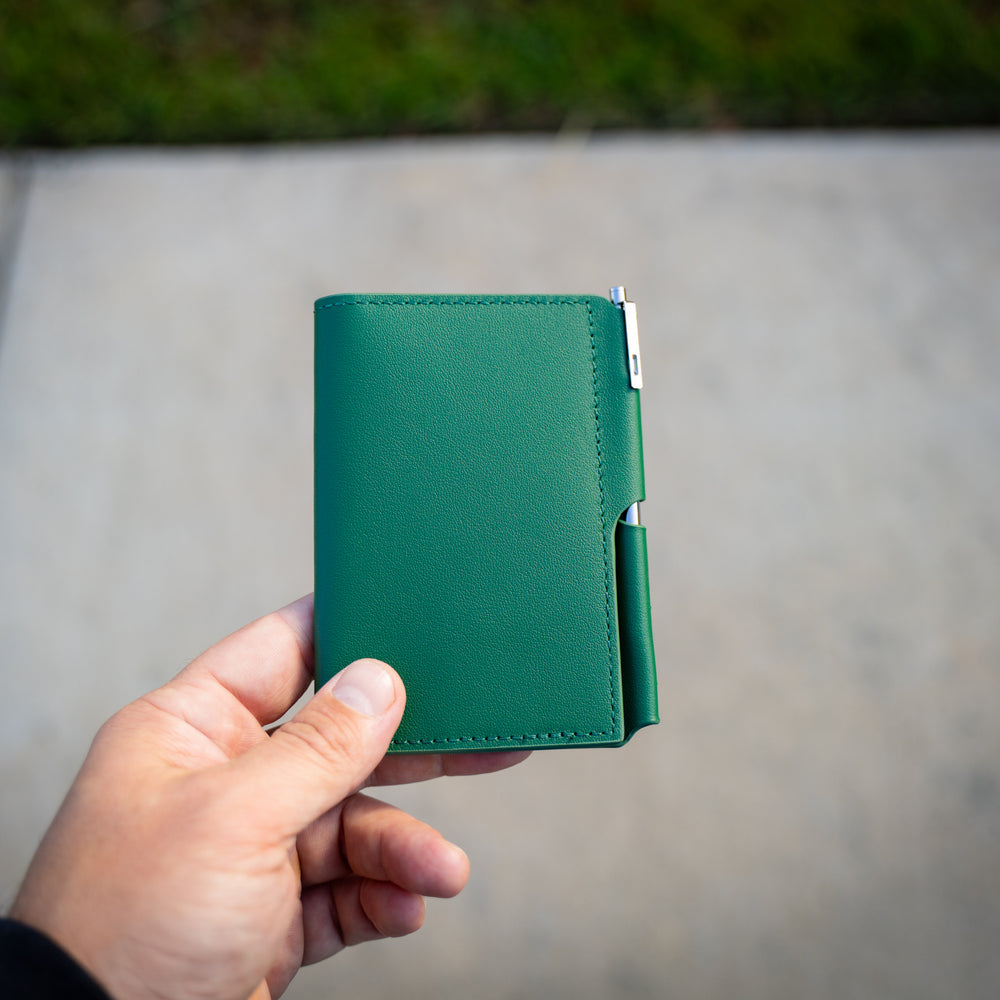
[[332, 739]]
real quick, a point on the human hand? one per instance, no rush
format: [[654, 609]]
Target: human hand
[[196, 855]]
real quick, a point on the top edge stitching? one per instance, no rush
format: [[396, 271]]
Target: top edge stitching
[[499, 301]]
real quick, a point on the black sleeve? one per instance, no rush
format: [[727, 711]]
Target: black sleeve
[[33, 967]]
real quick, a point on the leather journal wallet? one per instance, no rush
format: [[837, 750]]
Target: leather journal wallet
[[478, 472]]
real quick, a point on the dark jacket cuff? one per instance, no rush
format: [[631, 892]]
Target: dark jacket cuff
[[34, 967]]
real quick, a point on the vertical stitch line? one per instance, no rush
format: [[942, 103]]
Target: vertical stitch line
[[604, 523]]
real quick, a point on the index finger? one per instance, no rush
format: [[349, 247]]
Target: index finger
[[265, 665], [401, 769]]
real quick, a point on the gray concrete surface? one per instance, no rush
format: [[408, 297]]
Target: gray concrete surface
[[819, 813]]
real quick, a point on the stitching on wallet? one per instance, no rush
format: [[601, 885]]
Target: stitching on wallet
[[497, 300], [604, 523], [485, 739]]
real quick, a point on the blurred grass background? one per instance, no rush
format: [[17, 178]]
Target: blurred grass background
[[79, 72]]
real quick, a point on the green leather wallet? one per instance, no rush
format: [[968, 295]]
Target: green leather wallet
[[478, 472]]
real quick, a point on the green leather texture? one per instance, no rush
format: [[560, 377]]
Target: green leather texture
[[635, 628], [473, 457]]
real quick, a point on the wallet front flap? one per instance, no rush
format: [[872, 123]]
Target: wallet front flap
[[473, 455]]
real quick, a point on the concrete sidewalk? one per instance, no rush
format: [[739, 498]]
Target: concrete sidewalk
[[819, 813]]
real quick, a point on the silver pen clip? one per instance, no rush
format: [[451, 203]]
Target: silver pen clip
[[619, 298]]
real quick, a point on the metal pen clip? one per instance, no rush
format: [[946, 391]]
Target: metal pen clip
[[631, 516], [618, 297]]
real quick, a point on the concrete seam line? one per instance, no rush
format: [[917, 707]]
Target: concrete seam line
[[12, 230]]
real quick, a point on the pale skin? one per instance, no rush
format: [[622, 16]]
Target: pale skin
[[198, 856]]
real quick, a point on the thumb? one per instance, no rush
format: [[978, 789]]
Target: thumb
[[327, 750]]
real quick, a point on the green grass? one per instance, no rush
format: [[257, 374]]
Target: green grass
[[77, 72]]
